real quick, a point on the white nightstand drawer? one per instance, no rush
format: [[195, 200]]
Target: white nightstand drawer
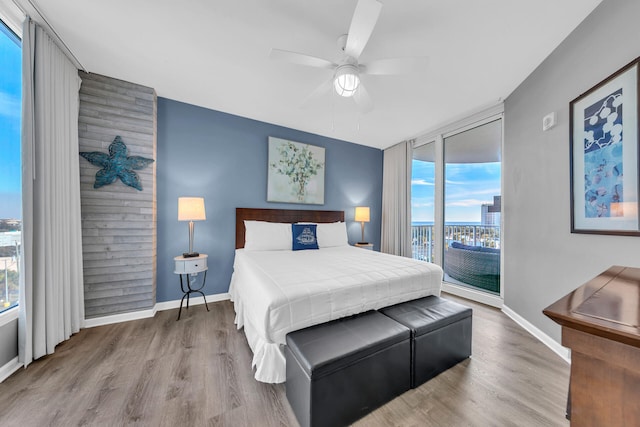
[[190, 265]]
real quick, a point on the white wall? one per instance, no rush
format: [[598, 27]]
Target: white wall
[[543, 261]]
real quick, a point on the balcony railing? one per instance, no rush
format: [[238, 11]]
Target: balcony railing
[[9, 269], [474, 235]]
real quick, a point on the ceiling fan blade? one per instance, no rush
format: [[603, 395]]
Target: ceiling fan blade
[[396, 66], [318, 92], [301, 59], [363, 100], [364, 20]]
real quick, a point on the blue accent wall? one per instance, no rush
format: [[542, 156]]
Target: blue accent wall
[[223, 158]]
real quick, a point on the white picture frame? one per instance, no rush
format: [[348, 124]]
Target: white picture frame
[[296, 172]]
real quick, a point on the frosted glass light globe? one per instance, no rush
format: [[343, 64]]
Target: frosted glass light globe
[[346, 80]]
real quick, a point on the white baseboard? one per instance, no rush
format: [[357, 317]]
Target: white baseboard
[[117, 318], [497, 302], [168, 305], [561, 351], [143, 314], [479, 296], [9, 368]]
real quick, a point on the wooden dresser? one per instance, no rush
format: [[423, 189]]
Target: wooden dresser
[[601, 325]]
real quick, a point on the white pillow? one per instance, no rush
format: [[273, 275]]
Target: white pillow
[[332, 234], [267, 236]]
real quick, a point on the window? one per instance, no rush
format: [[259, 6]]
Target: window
[[472, 205], [10, 166], [423, 179], [456, 204]]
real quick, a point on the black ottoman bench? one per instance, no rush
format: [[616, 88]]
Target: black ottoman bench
[[440, 334], [339, 371]]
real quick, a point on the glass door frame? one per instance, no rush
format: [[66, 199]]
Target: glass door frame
[[437, 137]]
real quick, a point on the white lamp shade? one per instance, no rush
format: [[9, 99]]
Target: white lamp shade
[[191, 209], [362, 214]]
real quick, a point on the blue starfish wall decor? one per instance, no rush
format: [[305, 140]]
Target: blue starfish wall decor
[[117, 165]]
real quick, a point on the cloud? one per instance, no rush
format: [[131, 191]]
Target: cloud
[[466, 203], [460, 193], [422, 204], [421, 182], [10, 106], [490, 191]]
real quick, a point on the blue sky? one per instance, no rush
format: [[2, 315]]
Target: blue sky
[[10, 113], [467, 187]]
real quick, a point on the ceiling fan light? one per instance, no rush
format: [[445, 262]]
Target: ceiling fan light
[[346, 80]]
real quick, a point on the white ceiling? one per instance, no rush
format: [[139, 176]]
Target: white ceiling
[[215, 54]]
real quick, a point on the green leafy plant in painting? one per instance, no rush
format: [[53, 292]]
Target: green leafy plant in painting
[[299, 165]]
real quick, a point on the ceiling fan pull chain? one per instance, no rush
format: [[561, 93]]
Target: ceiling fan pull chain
[[333, 112]]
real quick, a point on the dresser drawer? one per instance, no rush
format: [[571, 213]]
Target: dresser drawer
[[190, 265]]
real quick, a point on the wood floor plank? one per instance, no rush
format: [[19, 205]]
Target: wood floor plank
[[197, 372]]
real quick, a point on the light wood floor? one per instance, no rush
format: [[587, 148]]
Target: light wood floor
[[196, 372]]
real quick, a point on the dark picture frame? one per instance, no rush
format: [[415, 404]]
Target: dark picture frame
[[604, 156]]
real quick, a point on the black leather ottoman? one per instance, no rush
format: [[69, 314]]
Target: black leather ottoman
[[440, 334], [340, 371]]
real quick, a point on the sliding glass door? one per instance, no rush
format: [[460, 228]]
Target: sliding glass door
[[472, 207], [456, 206]]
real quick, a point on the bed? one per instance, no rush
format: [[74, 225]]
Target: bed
[[276, 290]]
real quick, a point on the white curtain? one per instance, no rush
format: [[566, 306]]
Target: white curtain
[[396, 200], [51, 288]]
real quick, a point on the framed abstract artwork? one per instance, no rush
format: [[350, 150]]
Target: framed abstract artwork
[[296, 172], [604, 156]]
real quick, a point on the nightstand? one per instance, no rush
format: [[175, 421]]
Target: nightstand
[[368, 246], [190, 267]]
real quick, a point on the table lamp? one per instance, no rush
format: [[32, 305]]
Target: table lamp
[[191, 209], [362, 216]]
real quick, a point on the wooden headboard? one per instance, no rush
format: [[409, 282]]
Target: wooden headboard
[[281, 215]]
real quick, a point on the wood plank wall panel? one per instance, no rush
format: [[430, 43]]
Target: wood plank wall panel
[[118, 222]]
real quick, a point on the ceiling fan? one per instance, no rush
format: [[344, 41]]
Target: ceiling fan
[[346, 73]]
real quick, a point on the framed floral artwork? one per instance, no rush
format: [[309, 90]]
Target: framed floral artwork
[[604, 156], [296, 172]]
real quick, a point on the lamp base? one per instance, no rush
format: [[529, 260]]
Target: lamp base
[[363, 243], [190, 254]]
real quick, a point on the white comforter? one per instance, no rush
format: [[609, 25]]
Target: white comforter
[[276, 292]]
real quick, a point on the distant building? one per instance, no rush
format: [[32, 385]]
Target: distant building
[[10, 224], [490, 214], [10, 238]]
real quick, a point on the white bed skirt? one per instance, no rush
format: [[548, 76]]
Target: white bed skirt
[[274, 294], [268, 358]]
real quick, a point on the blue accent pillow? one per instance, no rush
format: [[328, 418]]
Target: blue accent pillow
[[304, 236]]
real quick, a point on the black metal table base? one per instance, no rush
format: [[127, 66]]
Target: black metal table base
[[190, 291]]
